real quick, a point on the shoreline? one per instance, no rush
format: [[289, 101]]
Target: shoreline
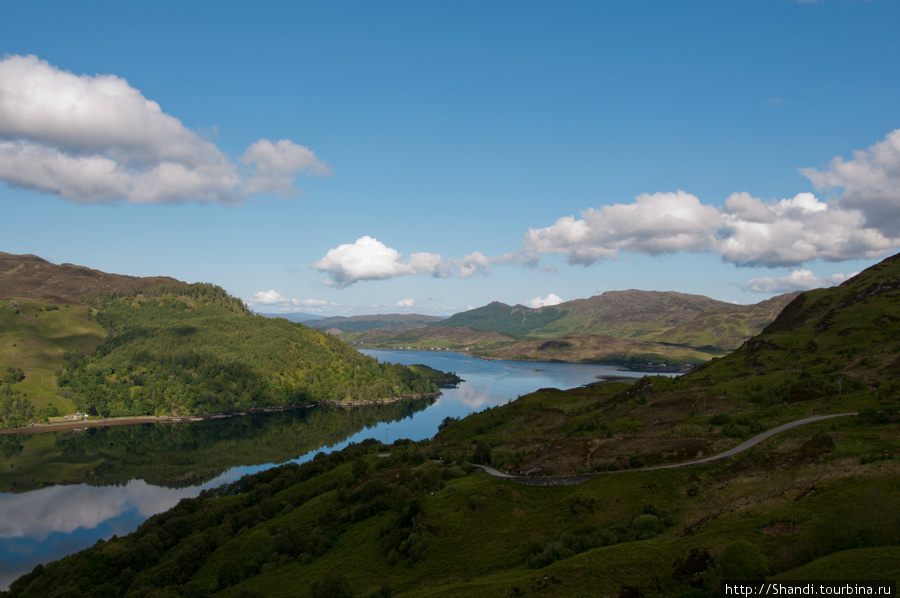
[[132, 420], [646, 369]]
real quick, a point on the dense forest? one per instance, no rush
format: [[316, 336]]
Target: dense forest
[[191, 348]]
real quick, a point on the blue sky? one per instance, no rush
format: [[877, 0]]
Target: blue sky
[[361, 157]]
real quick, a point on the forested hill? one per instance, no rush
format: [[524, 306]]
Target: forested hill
[[191, 348]]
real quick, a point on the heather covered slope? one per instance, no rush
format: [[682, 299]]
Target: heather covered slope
[[28, 276], [843, 340], [651, 327]]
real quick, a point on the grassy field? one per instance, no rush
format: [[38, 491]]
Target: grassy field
[[37, 337]]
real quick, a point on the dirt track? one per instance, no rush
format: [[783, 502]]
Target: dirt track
[[568, 480]]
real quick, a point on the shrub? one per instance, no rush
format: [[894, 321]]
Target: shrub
[[742, 560]]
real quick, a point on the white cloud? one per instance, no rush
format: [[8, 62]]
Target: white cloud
[[274, 299], [747, 231], [870, 181], [653, 224], [550, 299], [95, 138], [370, 259], [406, 303], [798, 280], [277, 166], [478, 262], [794, 231], [270, 297]]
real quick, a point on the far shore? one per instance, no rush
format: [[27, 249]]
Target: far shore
[[624, 366], [100, 422]]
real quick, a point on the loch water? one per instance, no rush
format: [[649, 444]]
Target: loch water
[[60, 492]]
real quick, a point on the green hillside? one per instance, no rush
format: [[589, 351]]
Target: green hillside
[[653, 327], [630, 314], [503, 319], [75, 338], [819, 501], [183, 349], [34, 338], [724, 327], [379, 321]]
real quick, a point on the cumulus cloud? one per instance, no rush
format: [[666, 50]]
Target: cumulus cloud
[[654, 224], [550, 299], [370, 259], [792, 231], [870, 182], [95, 138], [863, 223], [798, 280], [276, 166], [746, 231], [478, 262], [274, 299]]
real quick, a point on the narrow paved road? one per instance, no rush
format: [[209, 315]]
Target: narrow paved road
[[577, 479]]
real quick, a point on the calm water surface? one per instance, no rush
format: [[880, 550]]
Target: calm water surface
[[49, 523]]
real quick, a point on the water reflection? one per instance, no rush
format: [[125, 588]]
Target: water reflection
[[130, 473]]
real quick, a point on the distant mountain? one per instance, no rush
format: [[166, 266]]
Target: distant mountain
[[633, 314], [516, 320], [370, 322], [298, 316], [670, 328]]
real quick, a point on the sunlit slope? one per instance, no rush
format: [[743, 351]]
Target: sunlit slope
[[184, 349], [827, 343], [43, 323], [36, 338], [691, 320], [75, 338]]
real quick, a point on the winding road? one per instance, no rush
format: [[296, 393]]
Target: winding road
[[569, 480]]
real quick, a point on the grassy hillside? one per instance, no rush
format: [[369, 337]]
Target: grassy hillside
[[43, 322], [446, 338], [75, 338], [516, 321], [725, 327], [380, 321], [675, 329], [183, 349], [587, 348], [35, 337], [629, 314], [818, 501]]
